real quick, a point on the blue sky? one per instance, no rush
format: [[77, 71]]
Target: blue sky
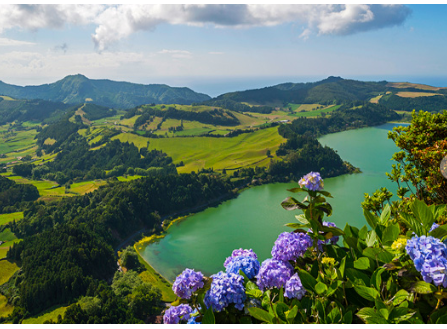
[[196, 46]]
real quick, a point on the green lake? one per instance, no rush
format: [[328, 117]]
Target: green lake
[[255, 218]]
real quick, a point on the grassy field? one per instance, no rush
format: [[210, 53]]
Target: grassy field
[[16, 144], [49, 314], [6, 218], [413, 85], [7, 269], [5, 309], [245, 150], [9, 239], [410, 94], [375, 100]]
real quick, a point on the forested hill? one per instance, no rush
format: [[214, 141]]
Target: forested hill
[[399, 96], [75, 89]]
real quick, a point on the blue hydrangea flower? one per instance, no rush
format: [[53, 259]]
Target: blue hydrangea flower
[[226, 288], [252, 302], [312, 181], [248, 265], [429, 256], [433, 227], [290, 246], [175, 314], [273, 273], [187, 283], [240, 252], [192, 320], [294, 288]]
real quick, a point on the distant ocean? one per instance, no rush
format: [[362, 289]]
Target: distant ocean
[[215, 86]]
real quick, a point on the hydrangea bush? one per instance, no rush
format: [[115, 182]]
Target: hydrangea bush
[[392, 271]]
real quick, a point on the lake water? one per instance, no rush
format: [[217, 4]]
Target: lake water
[[255, 218]]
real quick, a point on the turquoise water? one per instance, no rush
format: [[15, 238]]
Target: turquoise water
[[255, 218]]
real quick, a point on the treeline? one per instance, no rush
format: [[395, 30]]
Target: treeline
[[96, 112], [229, 104], [12, 195], [120, 208], [349, 116], [434, 103]]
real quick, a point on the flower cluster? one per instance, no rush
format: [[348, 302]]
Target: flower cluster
[[174, 314], [187, 283], [290, 246], [430, 258], [273, 273], [240, 252], [328, 261], [226, 288], [399, 244], [312, 181], [294, 288], [192, 320], [248, 265], [433, 227]]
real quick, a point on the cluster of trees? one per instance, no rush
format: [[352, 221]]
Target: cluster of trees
[[230, 104], [434, 103], [12, 195]]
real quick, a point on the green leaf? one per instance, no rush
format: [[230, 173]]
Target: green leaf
[[370, 218], [363, 232], [325, 193], [296, 190], [366, 292], [281, 310], [208, 317], [295, 226], [442, 319], [327, 208], [302, 219], [390, 233], [307, 280], [290, 203], [440, 232], [334, 315], [376, 278], [385, 215], [342, 267], [260, 314], [363, 263], [334, 230], [371, 238], [291, 314], [384, 313], [355, 276], [369, 316], [400, 296], [281, 295], [412, 223], [378, 253], [320, 288], [422, 213], [347, 318], [423, 288]]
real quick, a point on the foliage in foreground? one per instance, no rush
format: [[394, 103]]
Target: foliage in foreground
[[393, 271]]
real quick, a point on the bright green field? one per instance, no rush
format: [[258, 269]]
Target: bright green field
[[246, 150], [6, 218], [317, 112], [5, 309], [7, 269], [49, 314]]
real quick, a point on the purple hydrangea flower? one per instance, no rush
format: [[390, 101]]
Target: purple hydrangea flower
[[290, 246], [312, 181], [294, 288], [175, 314], [240, 252], [226, 288], [187, 283], [433, 227], [248, 265], [429, 256], [273, 273]]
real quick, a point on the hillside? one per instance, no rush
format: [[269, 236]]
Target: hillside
[[75, 89]]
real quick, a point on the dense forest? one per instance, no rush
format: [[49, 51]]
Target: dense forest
[[12, 195]]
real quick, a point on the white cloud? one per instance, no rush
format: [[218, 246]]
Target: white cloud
[[176, 53], [11, 42], [117, 22]]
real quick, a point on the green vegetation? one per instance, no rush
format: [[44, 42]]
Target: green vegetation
[[5, 308], [6, 218], [7, 269], [50, 314]]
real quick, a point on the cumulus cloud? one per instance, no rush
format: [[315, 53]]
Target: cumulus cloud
[[117, 22]]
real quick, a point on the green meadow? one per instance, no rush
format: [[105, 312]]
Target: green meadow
[[245, 150], [49, 314], [5, 309], [7, 269], [7, 218]]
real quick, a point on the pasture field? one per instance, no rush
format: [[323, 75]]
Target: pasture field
[[49, 314], [7, 269], [318, 112], [309, 107], [86, 187], [7, 218], [5, 309], [129, 122], [128, 178], [413, 85], [16, 144], [9, 238], [375, 100], [7, 98], [294, 107], [245, 150], [411, 94]]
